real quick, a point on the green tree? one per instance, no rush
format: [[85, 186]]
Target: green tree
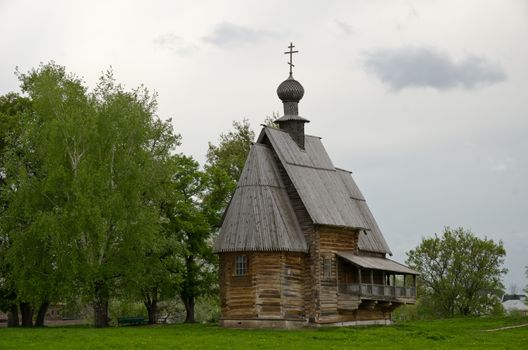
[[187, 224], [460, 273], [15, 112], [160, 278], [196, 212], [224, 164], [13, 109], [90, 215]]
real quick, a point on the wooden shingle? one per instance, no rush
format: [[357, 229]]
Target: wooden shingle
[[260, 216]]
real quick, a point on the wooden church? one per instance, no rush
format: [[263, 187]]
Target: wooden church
[[298, 245]]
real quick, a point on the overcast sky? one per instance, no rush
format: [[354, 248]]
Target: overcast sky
[[425, 101]]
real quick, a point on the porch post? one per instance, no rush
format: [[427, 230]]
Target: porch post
[[383, 278], [337, 268], [371, 276], [404, 280], [359, 276]]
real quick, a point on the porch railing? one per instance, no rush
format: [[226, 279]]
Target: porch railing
[[378, 290]]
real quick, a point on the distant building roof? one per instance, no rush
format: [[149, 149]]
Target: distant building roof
[[515, 305], [507, 297]]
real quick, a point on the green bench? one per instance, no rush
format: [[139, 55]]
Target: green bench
[[131, 321]]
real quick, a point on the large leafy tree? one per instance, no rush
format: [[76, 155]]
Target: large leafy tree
[[187, 224], [460, 273], [224, 164], [192, 206], [15, 112], [88, 214], [180, 261], [159, 278], [13, 109], [198, 200]]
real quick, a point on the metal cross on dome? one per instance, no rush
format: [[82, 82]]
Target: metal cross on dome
[[291, 52]]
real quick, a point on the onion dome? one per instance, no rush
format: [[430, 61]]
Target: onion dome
[[290, 90]]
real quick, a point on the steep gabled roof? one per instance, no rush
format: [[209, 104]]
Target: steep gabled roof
[[330, 195], [260, 216], [316, 180], [373, 240]]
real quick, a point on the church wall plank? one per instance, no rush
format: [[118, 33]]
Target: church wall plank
[[331, 240]]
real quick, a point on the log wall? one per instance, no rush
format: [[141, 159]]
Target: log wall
[[272, 289], [237, 293], [328, 242], [268, 286], [293, 286], [310, 270]]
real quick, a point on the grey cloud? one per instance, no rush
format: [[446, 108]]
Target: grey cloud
[[344, 28], [404, 67], [175, 44], [229, 34], [412, 13]]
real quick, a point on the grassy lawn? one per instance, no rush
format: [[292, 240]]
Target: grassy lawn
[[440, 334]]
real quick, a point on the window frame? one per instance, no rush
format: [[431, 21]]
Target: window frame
[[241, 265]]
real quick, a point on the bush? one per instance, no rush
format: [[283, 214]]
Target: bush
[[208, 310]]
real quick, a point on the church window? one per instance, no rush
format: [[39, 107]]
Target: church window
[[241, 265]]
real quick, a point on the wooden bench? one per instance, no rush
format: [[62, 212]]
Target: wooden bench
[[131, 321]]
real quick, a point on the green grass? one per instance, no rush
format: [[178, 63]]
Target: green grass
[[438, 334]]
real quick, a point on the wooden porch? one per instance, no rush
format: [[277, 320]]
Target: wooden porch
[[372, 278], [378, 291]]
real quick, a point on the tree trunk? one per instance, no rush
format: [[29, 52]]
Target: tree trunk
[[12, 316], [41, 314], [188, 293], [189, 309], [27, 314], [100, 306], [152, 309]]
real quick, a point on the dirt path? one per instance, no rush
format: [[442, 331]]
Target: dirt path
[[504, 328]]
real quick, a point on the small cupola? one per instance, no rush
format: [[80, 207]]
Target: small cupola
[[290, 91]]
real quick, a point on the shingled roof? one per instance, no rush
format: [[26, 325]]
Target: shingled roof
[[260, 216], [372, 240], [329, 194]]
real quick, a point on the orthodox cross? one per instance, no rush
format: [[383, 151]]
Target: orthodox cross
[[291, 52]]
